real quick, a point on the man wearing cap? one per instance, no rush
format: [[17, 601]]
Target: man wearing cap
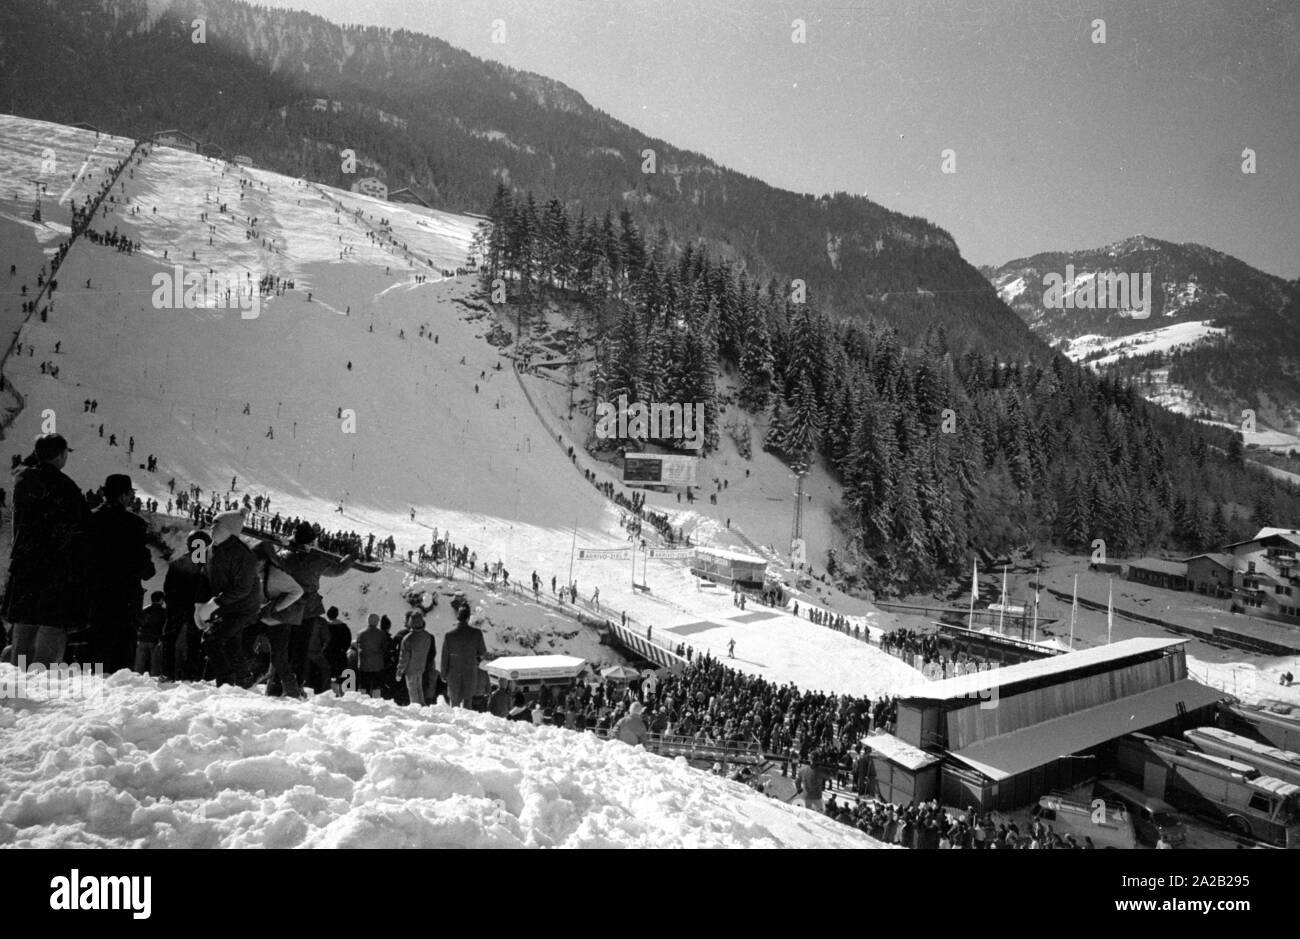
[[462, 650], [307, 565], [232, 573], [46, 594], [120, 560]]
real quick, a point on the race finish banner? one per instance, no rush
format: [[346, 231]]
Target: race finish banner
[[671, 554], [604, 554]]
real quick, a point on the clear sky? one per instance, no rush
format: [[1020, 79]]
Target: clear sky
[[1060, 142]]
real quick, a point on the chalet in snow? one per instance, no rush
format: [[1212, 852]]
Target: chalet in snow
[[177, 139]]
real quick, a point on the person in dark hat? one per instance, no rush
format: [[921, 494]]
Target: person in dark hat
[[46, 594], [307, 564], [120, 560]]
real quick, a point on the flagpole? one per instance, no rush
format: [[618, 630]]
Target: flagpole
[[1037, 585], [1074, 609], [572, 551], [974, 588], [1003, 604], [1110, 613]]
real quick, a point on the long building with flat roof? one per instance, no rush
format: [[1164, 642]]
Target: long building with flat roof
[[1002, 738]]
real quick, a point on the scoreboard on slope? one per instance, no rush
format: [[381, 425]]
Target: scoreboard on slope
[[659, 469]]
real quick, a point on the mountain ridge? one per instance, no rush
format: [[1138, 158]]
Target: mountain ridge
[[468, 124]]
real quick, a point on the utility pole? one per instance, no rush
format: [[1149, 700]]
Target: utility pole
[[797, 550]]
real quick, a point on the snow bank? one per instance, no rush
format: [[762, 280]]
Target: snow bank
[[171, 766]]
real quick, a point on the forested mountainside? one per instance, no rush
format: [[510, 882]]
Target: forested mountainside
[[292, 90], [939, 452]]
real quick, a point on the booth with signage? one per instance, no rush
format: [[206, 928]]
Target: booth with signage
[[530, 673]]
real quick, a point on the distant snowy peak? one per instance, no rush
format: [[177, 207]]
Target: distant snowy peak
[[1188, 283], [1200, 311]]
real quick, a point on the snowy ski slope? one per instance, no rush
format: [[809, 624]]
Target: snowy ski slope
[[458, 443]]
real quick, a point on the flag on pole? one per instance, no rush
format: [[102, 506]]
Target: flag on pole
[[974, 582]]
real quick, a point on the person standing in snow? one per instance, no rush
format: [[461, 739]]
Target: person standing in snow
[[121, 562], [810, 781], [631, 729], [462, 650], [148, 640], [499, 701], [46, 595], [232, 573], [307, 565], [372, 649], [184, 587], [279, 614], [318, 663], [416, 650], [340, 641]]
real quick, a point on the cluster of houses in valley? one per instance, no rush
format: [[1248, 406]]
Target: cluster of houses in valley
[[1259, 576]]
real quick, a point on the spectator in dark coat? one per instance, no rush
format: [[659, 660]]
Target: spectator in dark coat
[[372, 649], [519, 711], [499, 701], [121, 560], [232, 572], [148, 640], [340, 641], [46, 596], [185, 587], [462, 650]]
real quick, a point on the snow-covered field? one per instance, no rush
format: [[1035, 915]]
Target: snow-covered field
[[140, 765], [1162, 339]]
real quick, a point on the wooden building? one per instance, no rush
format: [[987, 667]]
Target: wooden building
[[177, 139], [899, 772], [1157, 572], [407, 196], [1212, 574], [1009, 735]]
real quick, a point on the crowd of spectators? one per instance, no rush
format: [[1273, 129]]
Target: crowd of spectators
[[928, 825]]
